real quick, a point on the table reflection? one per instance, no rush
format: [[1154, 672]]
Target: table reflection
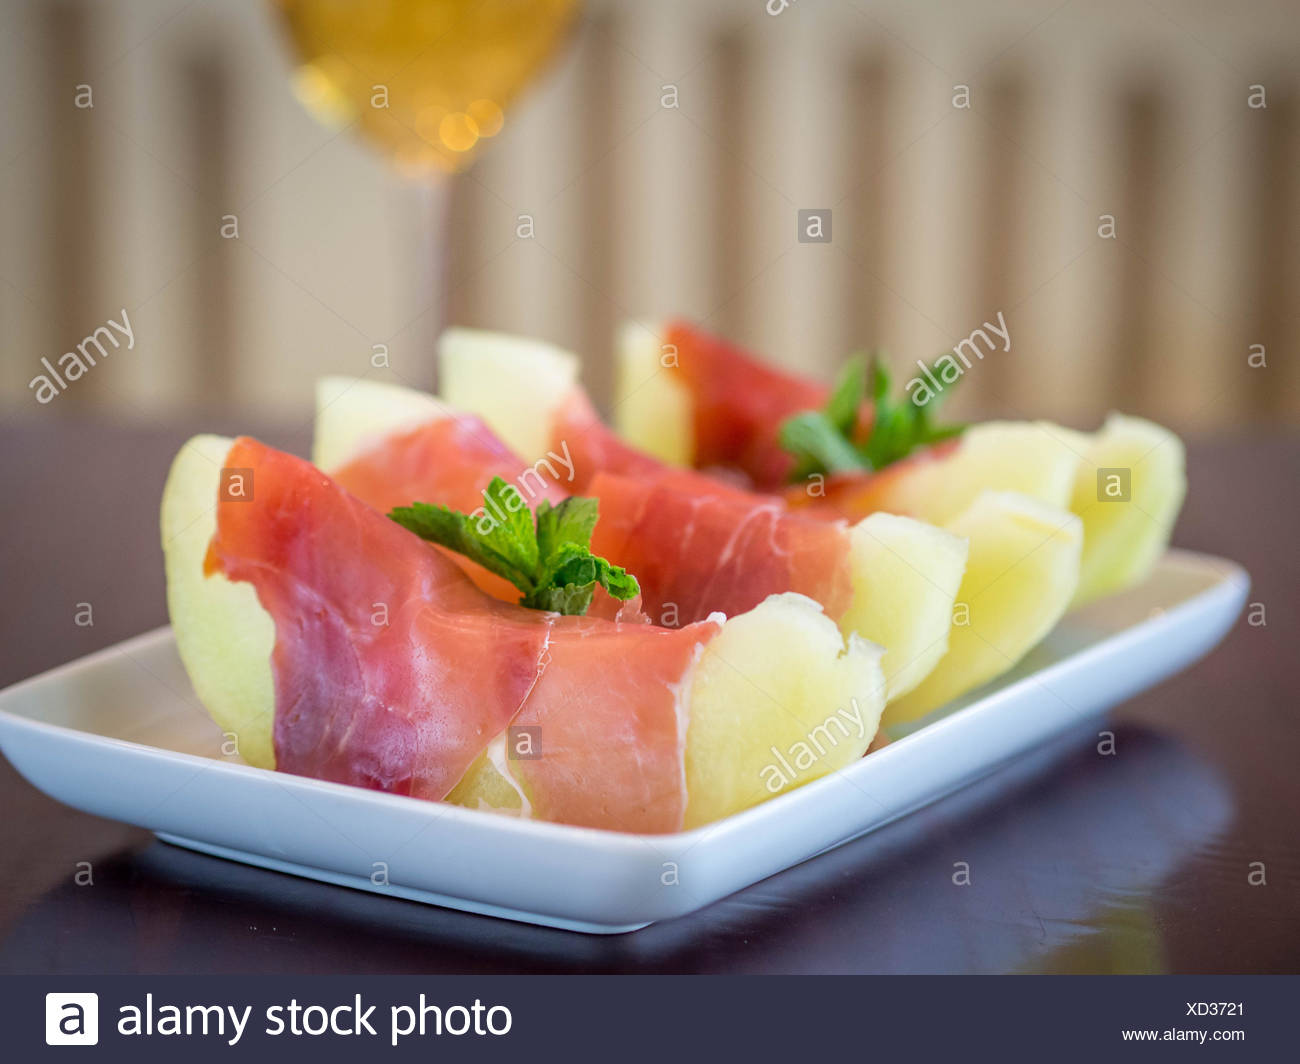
[[1066, 851]]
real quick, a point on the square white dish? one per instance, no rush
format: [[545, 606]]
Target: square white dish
[[121, 734]]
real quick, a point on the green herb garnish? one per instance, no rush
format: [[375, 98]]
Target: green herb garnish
[[824, 441], [547, 556]]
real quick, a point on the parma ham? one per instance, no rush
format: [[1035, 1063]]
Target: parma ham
[[393, 671], [698, 553], [327, 640], [696, 550], [528, 393], [726, 404]]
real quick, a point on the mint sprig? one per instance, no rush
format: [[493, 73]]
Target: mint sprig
[[825, 441], [546, 555]]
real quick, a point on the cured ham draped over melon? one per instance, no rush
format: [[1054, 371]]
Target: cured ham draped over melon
[[891, 580], [335, 644], [1029, 468], [390, 445], [694, 554], [688, 397], [717, 405], [383, 442], [528, 393]]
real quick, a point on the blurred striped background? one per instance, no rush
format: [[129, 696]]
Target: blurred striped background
[[942, 215]]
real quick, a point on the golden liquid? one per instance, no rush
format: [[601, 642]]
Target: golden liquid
[[425, 80]]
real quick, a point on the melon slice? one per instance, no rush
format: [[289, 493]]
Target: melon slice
[[352, 414], [906, 575], [515, 384], [773, 676], [223, 635], [1035, 458], [1123, 536], [489, 785], [695, 399], [653, 409], [1020, 577], [778, 699]]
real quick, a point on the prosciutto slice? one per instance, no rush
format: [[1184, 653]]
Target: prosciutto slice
[[393, 671], [738, 404], [456, 457], [696, 545], [694, 554], [449, 460], [596, 448]]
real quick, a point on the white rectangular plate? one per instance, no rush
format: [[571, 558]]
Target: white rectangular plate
[[122, 735]]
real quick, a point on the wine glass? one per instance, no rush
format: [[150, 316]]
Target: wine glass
[[425, 81]]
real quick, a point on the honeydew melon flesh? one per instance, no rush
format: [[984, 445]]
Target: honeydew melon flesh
[[515, 384], [223, 635], [1020, 578], [352, 414], [1122, 539], [777, 676], [778, 698], [905, 573], [1034, 458], [653, 409], [905, 576]]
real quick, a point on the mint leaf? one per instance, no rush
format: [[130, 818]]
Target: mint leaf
[[459, 532], [572, 600], [510, 534], [847, 395], [818, 446], [547, 557], [898, 428], [825, 441], [573, 521], [570, 575]]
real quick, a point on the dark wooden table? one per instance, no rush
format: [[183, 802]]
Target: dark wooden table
[[1139, 862]]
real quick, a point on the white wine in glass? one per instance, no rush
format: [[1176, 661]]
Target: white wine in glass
[[425, 80]]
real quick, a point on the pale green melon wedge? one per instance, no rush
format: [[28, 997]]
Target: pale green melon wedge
[[779, 698], [514, 384], [353, 414], [1128, 492], [224, 636], [487, 784], [652, 407], [905, 578], [1020, 577], [1034, 458]]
